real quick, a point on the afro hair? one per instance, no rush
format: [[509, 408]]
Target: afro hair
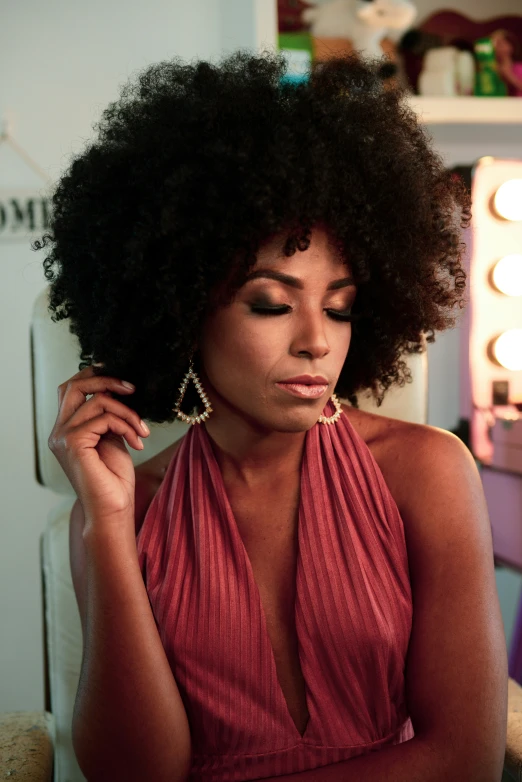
[[196, 165]]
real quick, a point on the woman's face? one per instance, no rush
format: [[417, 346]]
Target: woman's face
[[244, 354]]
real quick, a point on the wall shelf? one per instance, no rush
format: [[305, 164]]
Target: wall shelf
[[466, 110]]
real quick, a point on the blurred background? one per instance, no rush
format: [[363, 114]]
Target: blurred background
[[63, 62]]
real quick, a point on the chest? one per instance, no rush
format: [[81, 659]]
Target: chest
[[269, 532], [270, 541], [267, 522]]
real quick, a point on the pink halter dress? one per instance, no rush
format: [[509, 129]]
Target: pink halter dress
[[353, 611]]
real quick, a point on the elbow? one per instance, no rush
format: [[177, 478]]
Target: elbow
[[466, 761], [104, 764], [108, 772]]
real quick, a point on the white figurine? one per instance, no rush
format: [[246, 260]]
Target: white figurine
[[364, 22], [447, 71]]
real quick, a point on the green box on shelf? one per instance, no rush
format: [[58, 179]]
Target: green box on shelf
[[488, 81], [297, 48], [302, 40]]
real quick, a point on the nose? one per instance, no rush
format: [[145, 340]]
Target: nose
[[312, 336]]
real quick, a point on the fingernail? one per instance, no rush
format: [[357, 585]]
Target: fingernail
[[127, 385], [144, 427]]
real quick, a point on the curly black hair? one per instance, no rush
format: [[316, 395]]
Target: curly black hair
[[197, 164]]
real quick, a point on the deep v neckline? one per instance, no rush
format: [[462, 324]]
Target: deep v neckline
[[353, 609], [232, 524]]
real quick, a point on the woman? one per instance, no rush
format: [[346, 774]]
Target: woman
[[248, 604], [504, 43]]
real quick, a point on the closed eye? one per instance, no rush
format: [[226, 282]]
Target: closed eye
[[344, 315]]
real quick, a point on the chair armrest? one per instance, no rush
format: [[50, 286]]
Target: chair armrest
[[513, 757], [27, 746]]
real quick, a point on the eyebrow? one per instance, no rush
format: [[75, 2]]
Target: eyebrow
[[295, 282]]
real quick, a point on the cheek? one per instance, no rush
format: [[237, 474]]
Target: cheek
[[233, 345], [257, 345]]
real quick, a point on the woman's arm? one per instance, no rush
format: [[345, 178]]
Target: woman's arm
[[412, 761], [129, 721]]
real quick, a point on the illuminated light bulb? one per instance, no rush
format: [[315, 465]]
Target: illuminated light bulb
[[506, 349], [507, 275], [508, 200]]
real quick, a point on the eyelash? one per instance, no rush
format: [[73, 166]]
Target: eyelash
[[334, 314]]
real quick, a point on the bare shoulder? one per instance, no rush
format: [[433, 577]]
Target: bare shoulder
[[404, 450], [382, 434]]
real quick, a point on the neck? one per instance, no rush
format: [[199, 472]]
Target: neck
[[252, 459]]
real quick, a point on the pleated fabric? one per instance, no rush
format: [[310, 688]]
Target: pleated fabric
[[353, 611]]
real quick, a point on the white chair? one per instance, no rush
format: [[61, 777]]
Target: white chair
[[39, 743]]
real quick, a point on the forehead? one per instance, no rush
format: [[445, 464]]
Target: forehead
[[321, 247], [322, 259]]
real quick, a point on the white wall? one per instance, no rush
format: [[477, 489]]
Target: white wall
[[61, 63]]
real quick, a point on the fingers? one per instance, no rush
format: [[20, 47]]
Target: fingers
[[72, 393], [85, 372], [74, 410]]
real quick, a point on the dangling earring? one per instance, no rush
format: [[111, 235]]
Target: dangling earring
[[192, 419], [335, 417]]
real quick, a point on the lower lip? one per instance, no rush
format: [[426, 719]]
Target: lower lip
[[306, 392]]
